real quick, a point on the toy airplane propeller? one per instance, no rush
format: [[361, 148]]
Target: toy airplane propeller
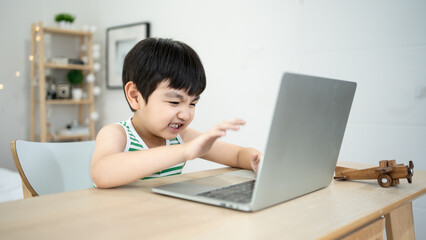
[[387, 174]]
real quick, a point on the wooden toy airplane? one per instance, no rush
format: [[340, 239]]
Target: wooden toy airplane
[[387, 174]]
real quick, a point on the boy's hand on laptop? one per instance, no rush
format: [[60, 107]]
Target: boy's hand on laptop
[[255, 161], [202, 144]]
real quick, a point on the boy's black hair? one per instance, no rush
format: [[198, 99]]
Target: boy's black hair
[[154, 60]]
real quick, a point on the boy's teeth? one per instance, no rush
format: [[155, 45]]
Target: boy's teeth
[[174, 125]]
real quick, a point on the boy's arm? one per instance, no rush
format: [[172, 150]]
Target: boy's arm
[[226, 153], [112, 167]]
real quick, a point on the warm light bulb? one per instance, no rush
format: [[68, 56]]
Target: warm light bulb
[[31, 58], [1, 86], [18, 74], [38, 38], [37, 28]]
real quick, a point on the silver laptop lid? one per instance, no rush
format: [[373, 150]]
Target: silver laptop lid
[[305, 138]]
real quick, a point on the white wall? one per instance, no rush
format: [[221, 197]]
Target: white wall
[[245, 46], [15, 26], [382, 46]]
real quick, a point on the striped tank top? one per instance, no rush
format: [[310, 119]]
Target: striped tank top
[[135, 143]]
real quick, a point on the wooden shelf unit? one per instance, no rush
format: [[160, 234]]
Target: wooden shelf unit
[[38, 67], [67, 66], [65, 31], [74, 137], [67, 101]]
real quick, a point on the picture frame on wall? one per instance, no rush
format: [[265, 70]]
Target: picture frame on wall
[[120, 39]]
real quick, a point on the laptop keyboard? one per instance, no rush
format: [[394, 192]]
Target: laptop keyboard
[[241, 192]]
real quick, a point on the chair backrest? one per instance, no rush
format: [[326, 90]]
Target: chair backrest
[[47, 168]]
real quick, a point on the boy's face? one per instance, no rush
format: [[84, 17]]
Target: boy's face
[[167, 113]]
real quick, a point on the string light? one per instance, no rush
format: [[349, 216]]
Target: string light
[[37, 28], [96, 90], [18, 73], [96, 66], [1, 86], [96, 55], [31, 58], [94, 116], [38, 38], [90, 78]]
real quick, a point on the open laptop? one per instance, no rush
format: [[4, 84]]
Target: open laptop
[[301, 153]]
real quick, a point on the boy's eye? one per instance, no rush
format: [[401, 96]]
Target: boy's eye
[[193, 104], [174, 103]]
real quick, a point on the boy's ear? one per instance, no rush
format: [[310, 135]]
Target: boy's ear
[[134, 97]]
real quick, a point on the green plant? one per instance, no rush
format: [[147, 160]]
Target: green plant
[[75, 77], [64, 17]]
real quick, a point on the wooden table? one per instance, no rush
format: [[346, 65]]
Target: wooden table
[[344, 209]]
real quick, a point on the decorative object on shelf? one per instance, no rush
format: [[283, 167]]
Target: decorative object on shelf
[[75, 61], [50, 88], [75, 77], [63, 91], [77, 93], [64, 20], [120, 39], [89, 28], [387, 174], [64, 61], [85, 59], [58, 60], [73, 129]]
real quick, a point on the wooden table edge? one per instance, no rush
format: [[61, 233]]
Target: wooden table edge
[[360, 223]]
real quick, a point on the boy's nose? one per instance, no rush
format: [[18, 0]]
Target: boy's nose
[[184, 114]]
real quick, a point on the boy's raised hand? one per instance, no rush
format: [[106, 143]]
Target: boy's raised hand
[[202, 144]]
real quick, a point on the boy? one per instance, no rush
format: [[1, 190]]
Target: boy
[[162, 81]]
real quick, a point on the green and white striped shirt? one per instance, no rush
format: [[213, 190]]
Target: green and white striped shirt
[[135, 143]]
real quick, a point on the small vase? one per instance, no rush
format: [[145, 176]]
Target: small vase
[[77, 93], [65, 24]]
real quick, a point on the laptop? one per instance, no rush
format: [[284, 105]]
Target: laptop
[[303, 145]]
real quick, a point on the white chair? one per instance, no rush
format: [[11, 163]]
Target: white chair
[[47, 168]]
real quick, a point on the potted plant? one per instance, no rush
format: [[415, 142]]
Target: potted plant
[[64, 20], [75, 77]]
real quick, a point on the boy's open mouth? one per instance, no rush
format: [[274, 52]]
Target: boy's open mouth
[[175, 126]]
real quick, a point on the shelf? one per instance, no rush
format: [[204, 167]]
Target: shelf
[[50, 138], [70, 137], [68, 101], [66, 31], [67, 66]]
